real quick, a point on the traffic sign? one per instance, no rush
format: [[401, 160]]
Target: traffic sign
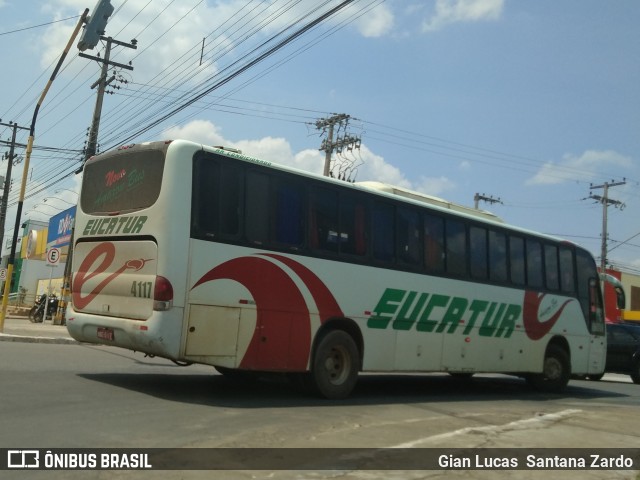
[[53, 256], [3, 273]]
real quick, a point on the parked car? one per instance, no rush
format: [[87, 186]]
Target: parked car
[[623, 350]]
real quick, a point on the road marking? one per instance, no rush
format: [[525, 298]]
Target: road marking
[[539, 421]]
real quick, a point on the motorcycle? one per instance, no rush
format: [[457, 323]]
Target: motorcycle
[[37, 313]]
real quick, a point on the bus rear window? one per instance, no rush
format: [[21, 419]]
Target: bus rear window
[[122, 181]]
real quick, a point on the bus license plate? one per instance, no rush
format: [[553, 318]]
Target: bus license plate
[[105, 333]]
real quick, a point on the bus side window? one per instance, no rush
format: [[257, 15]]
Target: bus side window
[[353, 240], [433, 243], [478, 252], [257, 208], [409, 236], [456, 253], [229, 198], [516, 260], [204, 203], [567, 271], [323, 224], [589, 294], [551, 267], [383, 230], [288, 224], [534, 263], [497, 256]]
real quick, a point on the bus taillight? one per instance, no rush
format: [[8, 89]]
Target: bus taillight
[[162, 294]]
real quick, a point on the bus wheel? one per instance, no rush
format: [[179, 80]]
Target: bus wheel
[[335, 365], [556, 371]]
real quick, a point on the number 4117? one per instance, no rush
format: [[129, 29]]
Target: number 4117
[[141, 289]]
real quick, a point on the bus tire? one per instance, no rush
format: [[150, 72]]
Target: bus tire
[[556, 371], [336, 363]]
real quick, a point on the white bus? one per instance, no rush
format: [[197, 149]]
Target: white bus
[[204, 255]]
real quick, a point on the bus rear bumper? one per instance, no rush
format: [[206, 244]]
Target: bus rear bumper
[[159, 335]]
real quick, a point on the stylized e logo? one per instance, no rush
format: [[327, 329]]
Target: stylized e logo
[[532, 325], [107, 250]]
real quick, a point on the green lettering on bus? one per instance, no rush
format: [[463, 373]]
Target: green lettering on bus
[[107, 226], [427, 324], [404, 321], [442, 313], [387, 305], [452, 317]]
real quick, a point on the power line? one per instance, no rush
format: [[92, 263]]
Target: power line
[[40, 25], [241, 68]]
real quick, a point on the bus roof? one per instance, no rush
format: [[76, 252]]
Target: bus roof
[[428, 199], [378, 188]]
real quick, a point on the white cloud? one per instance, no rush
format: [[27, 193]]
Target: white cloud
[[434, 185], [200, 131], [376, 23], [455, 11], [368, 165], [579, 167]]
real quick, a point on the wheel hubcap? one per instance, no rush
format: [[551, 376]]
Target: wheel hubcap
[[553, 369], [337, 365]]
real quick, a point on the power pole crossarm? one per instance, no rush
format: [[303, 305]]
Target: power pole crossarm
[[342, 142], [490, 199]]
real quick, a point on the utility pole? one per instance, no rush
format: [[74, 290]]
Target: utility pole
[[605, 201], [477, 197], [102, 83], [7, 181], [329, 145]]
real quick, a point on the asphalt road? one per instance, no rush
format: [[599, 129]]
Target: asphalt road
[[77, 396]]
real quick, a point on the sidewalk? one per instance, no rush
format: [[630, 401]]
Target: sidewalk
[[20, 329]]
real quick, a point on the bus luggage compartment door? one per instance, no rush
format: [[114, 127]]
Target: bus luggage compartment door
[[212, 331]]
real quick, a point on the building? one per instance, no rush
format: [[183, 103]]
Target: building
[[33, 275]]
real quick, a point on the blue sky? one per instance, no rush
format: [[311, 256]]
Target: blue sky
[[527, 101]]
